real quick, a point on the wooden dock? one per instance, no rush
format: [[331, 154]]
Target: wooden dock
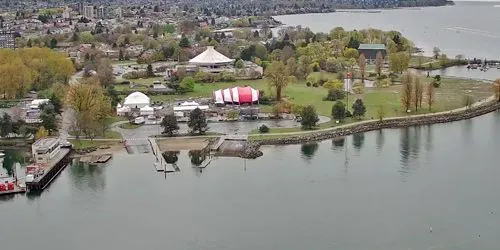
[[161, 164], [96, 159]]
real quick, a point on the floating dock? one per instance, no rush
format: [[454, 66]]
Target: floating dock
[[96, 159], [50, 171]]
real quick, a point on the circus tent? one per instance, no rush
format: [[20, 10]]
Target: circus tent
[[236, 95]]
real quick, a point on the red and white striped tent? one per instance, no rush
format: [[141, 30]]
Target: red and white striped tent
[[236, 95]]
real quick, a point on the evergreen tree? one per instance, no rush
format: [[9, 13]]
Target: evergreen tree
[[338, 111], [197, 121], [309, 117], [184, 42], [169, 125], [5, 125], [53, 43], [48, 117], [149, 71], [358, 108]]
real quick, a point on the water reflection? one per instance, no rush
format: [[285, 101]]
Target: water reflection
[[379, 140], [197, 157], [338, 143], [86, 176], [358, 140], [10, 158], [409, 148], [467, 131], [308, 150], [171, 157]]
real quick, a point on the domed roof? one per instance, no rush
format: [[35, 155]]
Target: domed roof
[[136, 98], [211, 56]]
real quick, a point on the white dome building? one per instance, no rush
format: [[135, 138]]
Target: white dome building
[[136, 100]]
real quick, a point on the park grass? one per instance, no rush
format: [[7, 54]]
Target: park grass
[[86, 144]]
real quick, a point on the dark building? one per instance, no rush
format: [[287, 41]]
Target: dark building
[[370, 51], [7, 39]]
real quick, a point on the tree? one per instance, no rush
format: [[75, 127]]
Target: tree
[[239, 64], [351, 53], [380, 113], [399, 61], [42, 133], [443, 60], [379, 63], [86, 37], [187, 84], [468, 101], [120, 55], [339, 111], [309, 117], [197, 121], [169, 125], [362, 66], [436, 51], [430, 95], [358, 108], [335, 94], [48, 117], [105, 72], [56, 103], [263, 129], [53, 43], [184, 42], [407, 90], [149, 71], [418, 92], [278, 77], [5, 125], [496, 89]]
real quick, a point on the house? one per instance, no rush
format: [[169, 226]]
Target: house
[[370, 51]]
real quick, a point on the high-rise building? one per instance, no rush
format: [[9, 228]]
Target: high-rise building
[[88, 11], [7, 39], [102, 12]]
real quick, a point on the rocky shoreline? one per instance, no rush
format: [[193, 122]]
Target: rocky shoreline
[[384, 124]]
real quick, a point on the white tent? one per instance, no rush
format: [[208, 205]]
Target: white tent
[[190, 104], [211, 57], [147, 110], [136, 100], [122, 110]]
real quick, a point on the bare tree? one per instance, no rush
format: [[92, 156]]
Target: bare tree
[[430, 95], [407, 90], [418, 92], [379, 61], [362, 66]]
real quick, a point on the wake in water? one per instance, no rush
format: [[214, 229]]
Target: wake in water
[[473, 31]]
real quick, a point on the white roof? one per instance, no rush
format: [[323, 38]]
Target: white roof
[[39, 101], [136, 98], [211, 56], [147, 108], [189, 108], [190, 104]]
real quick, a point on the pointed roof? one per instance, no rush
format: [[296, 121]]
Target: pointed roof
[[210, 57]]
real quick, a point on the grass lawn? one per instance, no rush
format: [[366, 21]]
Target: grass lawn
[[84, 144]]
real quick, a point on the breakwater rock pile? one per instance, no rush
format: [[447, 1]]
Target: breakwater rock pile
[[251, 151], [366, 126]]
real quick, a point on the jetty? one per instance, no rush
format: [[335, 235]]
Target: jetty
[[50, 160], [161, 164], [96, 159]]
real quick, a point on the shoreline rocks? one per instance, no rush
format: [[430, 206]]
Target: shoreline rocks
[[385, 124], [251, 151]]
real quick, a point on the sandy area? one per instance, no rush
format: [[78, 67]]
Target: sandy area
[[176, 144]]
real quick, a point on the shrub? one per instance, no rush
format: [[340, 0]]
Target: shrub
[[315, 85], [382, 76], [315, 67], [308, 84], [227, 77], [436, 84], [372, 74], [239, 64], [135, 75], [335, 94], [333, 84], [359, 108], [263, 129], [187, 85]]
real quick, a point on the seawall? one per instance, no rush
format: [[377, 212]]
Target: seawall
[[371, 125]]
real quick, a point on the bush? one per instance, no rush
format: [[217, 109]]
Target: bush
[[315, 67], [372, 74], [382, 76], [308, 84], [227, 77], [333, 84], [436, 84], [335, 94], [135, 75], [263, 129], [187, 85], [239, 64], [315, 85]]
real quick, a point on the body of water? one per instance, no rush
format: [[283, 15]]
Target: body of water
[[379, 190], [467, 28]]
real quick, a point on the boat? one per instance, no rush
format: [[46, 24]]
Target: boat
[[50, 160]]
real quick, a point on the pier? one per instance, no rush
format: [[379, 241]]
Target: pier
[[161, 164]]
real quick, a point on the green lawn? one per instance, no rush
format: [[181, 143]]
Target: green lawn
[[85, 144]]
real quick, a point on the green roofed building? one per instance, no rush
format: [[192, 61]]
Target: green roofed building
[[370, 51]]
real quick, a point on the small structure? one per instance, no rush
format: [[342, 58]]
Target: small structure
[[370, 51], [212, 60], [136, 100], [146, 110], [159, 87], [122, 111], [236, 95], [36, 103]]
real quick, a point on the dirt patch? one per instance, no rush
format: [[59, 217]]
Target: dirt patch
[[101, 148], [177, 144]]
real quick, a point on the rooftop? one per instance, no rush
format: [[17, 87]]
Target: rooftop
[[45, 142], [375, 46]]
